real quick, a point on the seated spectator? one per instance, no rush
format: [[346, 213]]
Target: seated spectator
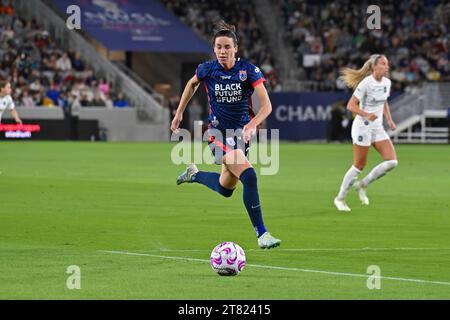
[[36, 86], [77, 63], [104, 86], [27, 100], [98, 100], [69, 78], [47, 102], [58, 77], [84, 101], [64, 63], [37, 98], [7, 9], [121, 102], [40, 41], [90, 78], [53, 93], [109, 104], [7, 34]]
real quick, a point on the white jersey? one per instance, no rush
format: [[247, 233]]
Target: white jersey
[[6, 103], [372, 95]]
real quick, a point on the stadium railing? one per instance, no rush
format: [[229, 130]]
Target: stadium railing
[[422, 117]]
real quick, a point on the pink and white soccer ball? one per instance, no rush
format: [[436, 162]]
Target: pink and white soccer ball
[[228, 259]]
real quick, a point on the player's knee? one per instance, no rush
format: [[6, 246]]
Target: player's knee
[[391, 164], [248, 177], [226, 192]]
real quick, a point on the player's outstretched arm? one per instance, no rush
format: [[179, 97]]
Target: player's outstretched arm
[[387, 115], [188, 92], [16, 116], [263, 113]]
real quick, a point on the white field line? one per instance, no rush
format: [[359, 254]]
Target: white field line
[[310, 249], [358, 249], [281, 268]]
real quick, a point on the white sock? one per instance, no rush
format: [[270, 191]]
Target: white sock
[[349, 179], [379, 171]]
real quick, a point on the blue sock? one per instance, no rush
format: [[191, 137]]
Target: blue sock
[[251, 200], [211, 180]]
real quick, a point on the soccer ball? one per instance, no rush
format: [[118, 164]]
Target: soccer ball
[[228, 259]]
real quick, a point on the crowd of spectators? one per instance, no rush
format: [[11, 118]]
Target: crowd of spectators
[[41, 74], [327, 35], [201, 15]]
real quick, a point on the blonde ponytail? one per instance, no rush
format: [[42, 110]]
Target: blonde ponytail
[[353, 77]]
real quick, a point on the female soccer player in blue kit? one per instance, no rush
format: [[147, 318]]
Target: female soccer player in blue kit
[[230, 83]]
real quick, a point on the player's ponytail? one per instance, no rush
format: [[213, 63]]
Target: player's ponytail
[[353, 77], [222, 29]]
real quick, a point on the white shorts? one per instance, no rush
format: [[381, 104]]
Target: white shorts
[[364, 133]]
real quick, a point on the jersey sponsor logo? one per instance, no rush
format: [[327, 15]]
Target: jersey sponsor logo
[[375, 100], [228, 93], [242, 75]]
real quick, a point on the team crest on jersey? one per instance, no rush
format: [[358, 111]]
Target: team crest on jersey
[[242, 75]]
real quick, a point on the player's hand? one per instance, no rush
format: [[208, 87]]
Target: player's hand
[[176, 122], [248, 131], [371, 116], [19, 122], [391, 125]]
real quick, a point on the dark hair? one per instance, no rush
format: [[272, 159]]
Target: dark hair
[[222, 29], [3, 83]]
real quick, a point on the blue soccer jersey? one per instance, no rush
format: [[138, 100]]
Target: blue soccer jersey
[[229, 92]]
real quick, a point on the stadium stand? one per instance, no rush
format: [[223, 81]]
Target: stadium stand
[[201, 15], [51, 65], [43, 74], [326, 36], [320, 36]]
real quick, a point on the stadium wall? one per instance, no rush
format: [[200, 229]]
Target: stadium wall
[[304, 116], [112, 124]]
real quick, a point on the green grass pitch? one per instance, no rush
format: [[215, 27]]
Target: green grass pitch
[[64, 204]]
